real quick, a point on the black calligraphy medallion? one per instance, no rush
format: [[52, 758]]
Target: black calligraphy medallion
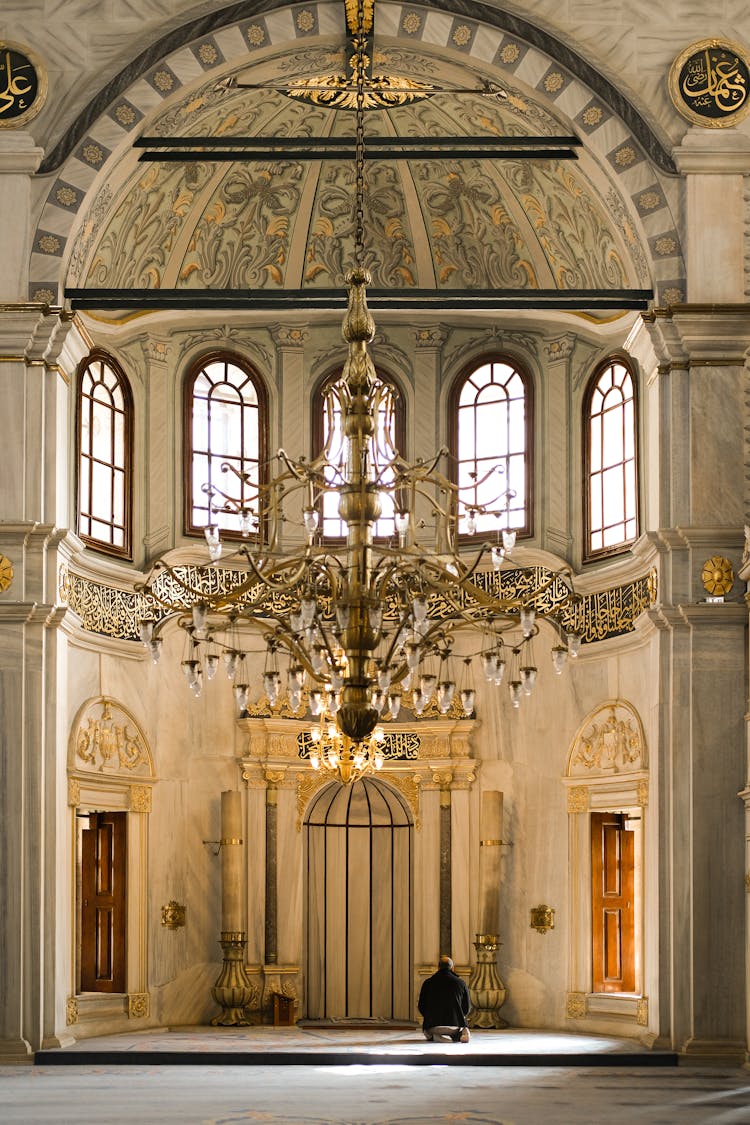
[[23, 85], [709, 84]]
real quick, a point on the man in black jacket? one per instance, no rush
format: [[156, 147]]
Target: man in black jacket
[[444, 1004]]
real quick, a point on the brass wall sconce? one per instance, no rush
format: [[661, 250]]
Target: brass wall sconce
[[542, 918], [173, 915]]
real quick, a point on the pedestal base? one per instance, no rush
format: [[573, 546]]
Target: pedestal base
[[233, 991], [487, 991]]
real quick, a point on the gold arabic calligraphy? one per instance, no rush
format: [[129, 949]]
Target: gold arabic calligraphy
[[19, 91], [713, 81]]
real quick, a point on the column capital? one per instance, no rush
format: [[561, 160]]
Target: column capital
[[19, 155], [710, 152]]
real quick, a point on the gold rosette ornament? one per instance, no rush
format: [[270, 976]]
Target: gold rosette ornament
[[717, 576]]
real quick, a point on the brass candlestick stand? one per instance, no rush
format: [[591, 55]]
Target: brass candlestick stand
[[486, 989], [233, 991]]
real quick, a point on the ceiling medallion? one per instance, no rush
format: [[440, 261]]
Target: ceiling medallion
[[338, 91], [6, 573], [23, 85]]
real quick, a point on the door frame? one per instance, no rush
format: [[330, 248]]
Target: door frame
[[594, 782]]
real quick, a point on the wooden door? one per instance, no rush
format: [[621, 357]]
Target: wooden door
[[613, 906], [103, 903]]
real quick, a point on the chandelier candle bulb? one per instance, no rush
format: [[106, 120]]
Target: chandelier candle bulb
[[232, 920]]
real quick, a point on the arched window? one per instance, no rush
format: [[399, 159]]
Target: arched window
[[105, 444], [331, 525], [491, 410], [611, 499], [225, 424]]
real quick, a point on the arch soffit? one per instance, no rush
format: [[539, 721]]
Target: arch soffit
[[617, 175]]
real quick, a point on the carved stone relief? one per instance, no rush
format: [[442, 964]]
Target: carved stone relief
[[610, 741], [107, 739]]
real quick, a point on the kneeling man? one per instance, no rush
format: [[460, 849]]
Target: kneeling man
[[444, 1003]]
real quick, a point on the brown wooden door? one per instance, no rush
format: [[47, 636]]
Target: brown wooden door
[[613, 906], [103, 903]]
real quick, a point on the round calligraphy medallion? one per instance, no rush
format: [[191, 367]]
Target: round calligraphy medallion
[[6, 573], [23, 85], [709, 84]]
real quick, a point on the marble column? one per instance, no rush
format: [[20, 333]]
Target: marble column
[[698, 394], [446, 915], [233, 991]]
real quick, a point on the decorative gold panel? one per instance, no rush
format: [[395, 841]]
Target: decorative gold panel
[[139, 1005], [6, 573], [71, 1011], [579, 799], [140, 798], [114, 612], [641, 1017], [575, 1005]]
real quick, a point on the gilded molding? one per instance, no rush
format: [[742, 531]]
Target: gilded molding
[[115, 612], [747, 882], [408, 786], [139, 1006], [307, 786], [578, 799], [74, 792], [71, 1011], [643, 792], [575, 1005], [641, 1012], [140, 798]]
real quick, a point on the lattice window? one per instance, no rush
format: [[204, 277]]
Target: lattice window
[[611, 501], [225, 424], [104, 432], [491, 415], [391, 434]]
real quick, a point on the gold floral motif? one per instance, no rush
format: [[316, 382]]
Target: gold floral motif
[[46, 296], [624, 157], [255, 35], [74, 792], [575, 1005], [553, 82], [48, 244], [649, 199], [642, 791], [462, 35], [125, 114], [71, 1011], [672, 296], [591, 116], [207, 53], [578, 799], [92, 154], [411, 23], [305, 20], [665, 245], [717, 576], [307, 786], [6, 573], [140, 798], [163, 80], [641, 1011], [408, 786], [138, 1005], [509, 53]]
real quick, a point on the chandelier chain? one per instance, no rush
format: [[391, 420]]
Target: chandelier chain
[[359, 198]]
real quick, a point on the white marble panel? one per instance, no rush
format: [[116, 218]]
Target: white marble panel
[[289, 880], [427, 880]]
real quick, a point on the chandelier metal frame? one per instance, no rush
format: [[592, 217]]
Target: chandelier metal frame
[[363, 623]]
